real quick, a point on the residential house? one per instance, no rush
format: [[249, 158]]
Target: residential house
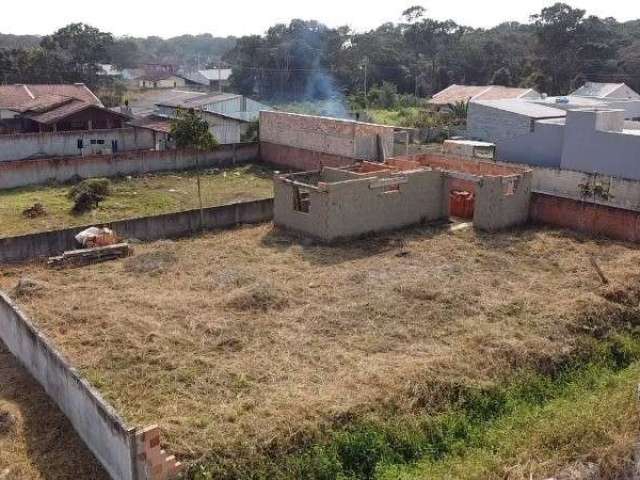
[[468, 93], [613, 95], [588, 139], [156, 75], [211, 78], [160, 80], [108, 70], [59, 120], [52, 108], [229, 115]]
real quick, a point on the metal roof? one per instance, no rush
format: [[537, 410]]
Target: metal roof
[[200, 100], [524, 107], [595, 89], [216, 73]]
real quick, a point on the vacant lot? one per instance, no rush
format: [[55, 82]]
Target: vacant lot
[[36, 440], [261, 339], [151, 194]]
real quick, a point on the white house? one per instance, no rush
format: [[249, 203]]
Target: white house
[[589, 139], [213, 78], [613, 95]]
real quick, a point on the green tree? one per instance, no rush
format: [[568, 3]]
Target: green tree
[[81, 48], [191, 131], [502, 76], [556, 31]]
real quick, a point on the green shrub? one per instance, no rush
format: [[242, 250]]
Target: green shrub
[[88, 194]]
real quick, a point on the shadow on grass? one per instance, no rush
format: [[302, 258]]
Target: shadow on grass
[[316, 252], [52, 446]]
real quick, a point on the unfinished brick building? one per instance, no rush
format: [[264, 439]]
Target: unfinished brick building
[[336, 203]]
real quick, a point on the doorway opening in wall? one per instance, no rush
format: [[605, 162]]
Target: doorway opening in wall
[[461, 204]]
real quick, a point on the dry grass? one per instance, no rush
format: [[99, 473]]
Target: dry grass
[[36, 440], [249, 338]]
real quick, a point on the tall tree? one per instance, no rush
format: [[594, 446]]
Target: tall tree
[[82, 48], [558, 30], [191, 131]]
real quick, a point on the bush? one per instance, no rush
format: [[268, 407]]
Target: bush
[[88, 194]]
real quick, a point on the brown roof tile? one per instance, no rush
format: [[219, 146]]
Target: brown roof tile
[[15, 97], [464, 93], [12, 96]]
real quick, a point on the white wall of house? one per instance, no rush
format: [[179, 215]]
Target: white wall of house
[[225, 130], [495, 125], [518, 138], [624, 92], [171, 82], [7, 114], [85, 142], [540, 147], [593, 141], [596, 142]]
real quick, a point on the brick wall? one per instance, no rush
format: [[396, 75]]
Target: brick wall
[[299, 159], [585, 217], [332, 136]]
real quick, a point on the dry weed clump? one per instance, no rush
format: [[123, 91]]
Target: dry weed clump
[[259, 296], [27, 287], [153, 262]]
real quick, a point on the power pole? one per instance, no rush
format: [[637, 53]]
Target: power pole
[[366, 98]]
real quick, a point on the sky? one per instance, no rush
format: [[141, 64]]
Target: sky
[[245, 17]]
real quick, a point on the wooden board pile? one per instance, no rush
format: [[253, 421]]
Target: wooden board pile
[[87, 256]]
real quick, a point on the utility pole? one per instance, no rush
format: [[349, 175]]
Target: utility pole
[[366, 98]]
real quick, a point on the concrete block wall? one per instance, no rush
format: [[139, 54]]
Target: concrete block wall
[[358, 206], [342, 138], [124, 452], [518, 138], [56, 144], [22, 173], [99, 426], [502, 202], [494, 125], [595, 142], [171, 225], [616, 192]]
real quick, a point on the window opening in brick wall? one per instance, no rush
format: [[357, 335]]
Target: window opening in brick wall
[[301, 199]]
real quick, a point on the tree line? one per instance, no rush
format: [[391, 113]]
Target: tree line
[[74, 54], [559, 49], [555, 52]]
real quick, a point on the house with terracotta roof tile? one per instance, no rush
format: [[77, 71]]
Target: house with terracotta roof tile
[[64, 120], [51, 108], [469, 93]]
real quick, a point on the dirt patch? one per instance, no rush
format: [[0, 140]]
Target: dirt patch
[[627, 294], [7, 421]]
